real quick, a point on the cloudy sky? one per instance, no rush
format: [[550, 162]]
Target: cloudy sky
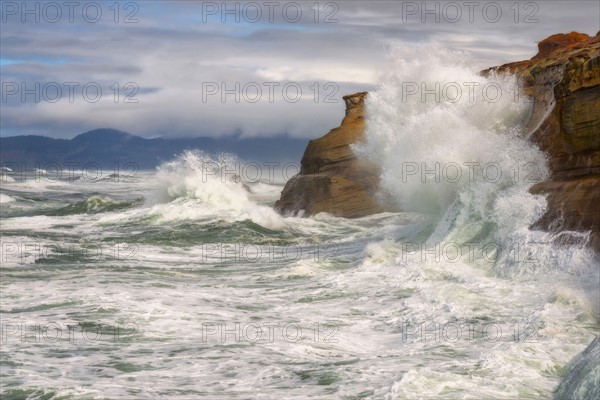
[[257, 68]]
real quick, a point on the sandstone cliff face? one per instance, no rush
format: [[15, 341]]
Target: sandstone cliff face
[[332, 179], [564, 80]]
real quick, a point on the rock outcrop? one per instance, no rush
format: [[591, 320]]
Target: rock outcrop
[[564, 81], [331, 178], [557, 42], [583, 375]]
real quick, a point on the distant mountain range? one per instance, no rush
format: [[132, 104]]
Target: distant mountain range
[[109, 146]]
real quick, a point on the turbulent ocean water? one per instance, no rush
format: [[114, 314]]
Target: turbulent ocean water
[[183, 283]]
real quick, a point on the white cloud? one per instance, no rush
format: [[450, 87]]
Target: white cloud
[[171, 53]]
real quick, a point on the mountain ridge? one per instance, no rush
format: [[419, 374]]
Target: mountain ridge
[[106, 146]]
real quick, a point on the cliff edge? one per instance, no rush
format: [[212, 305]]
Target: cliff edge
[[332, 178], [564, 81]]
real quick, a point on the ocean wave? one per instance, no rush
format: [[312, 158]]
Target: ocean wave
[[196, 186]]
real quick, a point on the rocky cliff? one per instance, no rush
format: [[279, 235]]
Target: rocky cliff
[[564, 81], [332, 179]]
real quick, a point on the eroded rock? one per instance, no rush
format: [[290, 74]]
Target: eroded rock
[[332, 179], [564, 81]]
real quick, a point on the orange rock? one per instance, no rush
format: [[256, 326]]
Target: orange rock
[[332, 179], [564, 81], [559, 41]]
